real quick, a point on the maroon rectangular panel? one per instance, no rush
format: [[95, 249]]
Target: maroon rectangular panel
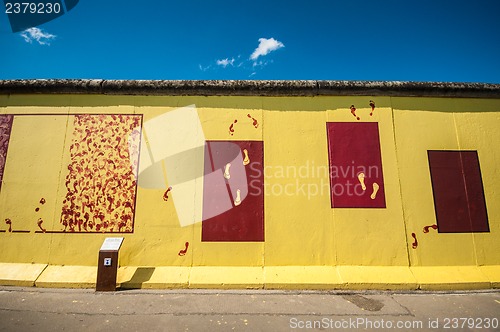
[[224, 218], [458, 191], [5, 129], [356, 177]]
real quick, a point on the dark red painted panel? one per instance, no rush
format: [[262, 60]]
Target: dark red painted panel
[[354, 149], [458, 191], [244, 222], [475, 191], [5, 129]]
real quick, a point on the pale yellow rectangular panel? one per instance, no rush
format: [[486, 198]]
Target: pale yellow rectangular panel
[[479, 131], [416, 132], [362, 232], [30, 185], [299, 228]]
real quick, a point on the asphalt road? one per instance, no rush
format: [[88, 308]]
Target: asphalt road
[[37, 309]]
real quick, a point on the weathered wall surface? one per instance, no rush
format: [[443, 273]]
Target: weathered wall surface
[[324, 188]]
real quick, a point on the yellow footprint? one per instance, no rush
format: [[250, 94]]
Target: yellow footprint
[[361, 178], [237, 201], [376, 187], [246, 160], [226, 171]]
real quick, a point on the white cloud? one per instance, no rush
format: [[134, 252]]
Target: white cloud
[[225, 62], [204, 68], [261, 63], [265, 47], [37, 34]]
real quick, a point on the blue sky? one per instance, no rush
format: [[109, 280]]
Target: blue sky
[[439, 40]]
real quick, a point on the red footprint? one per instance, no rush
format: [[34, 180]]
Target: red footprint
[[414, 245], [426, 228], [353, 111], [255, 123], [39, 223], [372, 104], [184, 251], [165, 195], [231, 129], [9, 222], [42, 201]]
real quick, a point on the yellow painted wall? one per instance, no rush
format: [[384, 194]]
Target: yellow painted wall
[[300, 229]]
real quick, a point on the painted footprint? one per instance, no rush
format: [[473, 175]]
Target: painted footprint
[[353, 112], [184, 251], [9, 222], [231, 128], [165, 195], [227, 176], [237, 201], [376, 187], [39, 223], [426, 228], [414, 245], [255, 123], [361, 179], [42, 201], [246, 159], [372, 105]]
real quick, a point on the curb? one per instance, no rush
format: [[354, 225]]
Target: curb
[[436, 278]]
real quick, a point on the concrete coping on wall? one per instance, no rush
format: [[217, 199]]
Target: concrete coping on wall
[[249, 88]]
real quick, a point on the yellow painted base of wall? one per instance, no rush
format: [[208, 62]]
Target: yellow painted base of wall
[[493, 274], [68, 277], [272, 277], [17, 274], [450, 277]]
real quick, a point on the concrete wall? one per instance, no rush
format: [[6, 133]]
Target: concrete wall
[[305, 243]]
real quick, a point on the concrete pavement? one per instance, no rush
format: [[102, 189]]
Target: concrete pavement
[[38, 309]]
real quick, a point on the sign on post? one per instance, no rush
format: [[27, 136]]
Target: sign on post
[[107, 266]]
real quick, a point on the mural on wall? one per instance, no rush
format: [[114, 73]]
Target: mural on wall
[[5, 128], [165, 194], [231, 127], [426, 228], [458, 191], [255, 123], [355, 163], [184, 251], [40, 220], [353, 112], [372, 105], [8, 222], [243, 181], [414, 244], [101, 176]]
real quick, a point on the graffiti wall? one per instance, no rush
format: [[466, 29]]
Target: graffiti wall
[[250, 181]]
